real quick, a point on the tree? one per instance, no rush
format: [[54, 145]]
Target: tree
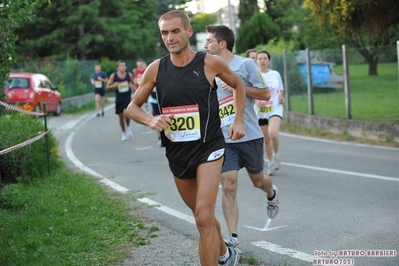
[[167, 5], [367, 25], [91, 30], [313, 37], [260, 29], [287, 14], [247, 9], [13, 14], [199, 23]]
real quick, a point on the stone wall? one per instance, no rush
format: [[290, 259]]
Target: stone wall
[[378, 131]]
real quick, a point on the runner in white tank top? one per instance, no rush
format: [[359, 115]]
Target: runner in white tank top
[[270, 112]]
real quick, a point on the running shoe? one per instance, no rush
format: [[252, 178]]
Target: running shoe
[[129, 132], [233, 259], [124, 136], [277, 164], [102, 113], [272, 205], [232, 241], [271, 169]]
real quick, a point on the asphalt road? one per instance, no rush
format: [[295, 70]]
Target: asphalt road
[[334, 196]]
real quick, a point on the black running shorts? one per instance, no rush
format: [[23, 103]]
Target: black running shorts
[[184, 158], [120, 106], [99, 91]]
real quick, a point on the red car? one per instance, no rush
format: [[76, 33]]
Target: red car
[[30, 90]]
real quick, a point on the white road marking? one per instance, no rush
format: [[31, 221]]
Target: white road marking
[[148, 132], [284, 251], [262, 244], [380, 177], [337, 142], [266, 227], [168, 210], [144, 148], [79, 164]]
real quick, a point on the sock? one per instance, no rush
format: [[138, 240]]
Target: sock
[[276, 156], [225, 257], [274, 195], [234, 235]]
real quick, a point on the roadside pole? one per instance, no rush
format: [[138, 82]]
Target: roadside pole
[[46, 138], [346, 84]]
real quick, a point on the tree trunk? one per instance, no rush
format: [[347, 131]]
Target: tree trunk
[[373, 71], [371, 56]]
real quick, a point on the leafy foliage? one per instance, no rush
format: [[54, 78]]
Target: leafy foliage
[[365, 24], [247, 9], [259, 29], [29, 162], [200, 21], [287, 14], [167, 5], [71, 76], [95, 29], [13, 14]]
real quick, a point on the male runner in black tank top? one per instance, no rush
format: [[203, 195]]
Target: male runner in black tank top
[[190, 126], [122, 82]]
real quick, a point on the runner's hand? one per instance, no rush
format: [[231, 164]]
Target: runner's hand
[[236, 131], [160, 122]]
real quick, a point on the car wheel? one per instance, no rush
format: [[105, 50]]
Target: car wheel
[[58, 109]]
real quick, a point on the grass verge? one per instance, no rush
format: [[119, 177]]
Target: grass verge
[[373, 98], [86, 107], [68, 219]]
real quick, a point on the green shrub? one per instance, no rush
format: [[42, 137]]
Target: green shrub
[[109, 66], [29, 161], [71, 76], [11, 197]]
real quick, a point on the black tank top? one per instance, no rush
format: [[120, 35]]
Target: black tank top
[[122, 96], [188, 85]]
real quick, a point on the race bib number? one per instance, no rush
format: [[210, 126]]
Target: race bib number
[[266, 109], [226, 111], [123, 86], [98, 84], [185, 124], [263, 111]]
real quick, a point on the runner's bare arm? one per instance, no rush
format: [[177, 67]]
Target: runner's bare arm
[[131, 82], [258, 93], [111, 84], [134, 110], [216, 66]]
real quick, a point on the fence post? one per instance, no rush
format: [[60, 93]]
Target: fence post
[[310, 84], [397, 54], [46, 138], [346, 84], [286, 87]]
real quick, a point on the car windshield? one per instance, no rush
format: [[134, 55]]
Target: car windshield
[[17, 83]]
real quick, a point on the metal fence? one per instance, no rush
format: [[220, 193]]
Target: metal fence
[[336, 83], [314, 81], [72, 77]]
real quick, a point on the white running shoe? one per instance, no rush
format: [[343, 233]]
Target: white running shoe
[[277, 164], [232, 241], [270, 169], [124, 136], [233, 259], [272, 205]]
